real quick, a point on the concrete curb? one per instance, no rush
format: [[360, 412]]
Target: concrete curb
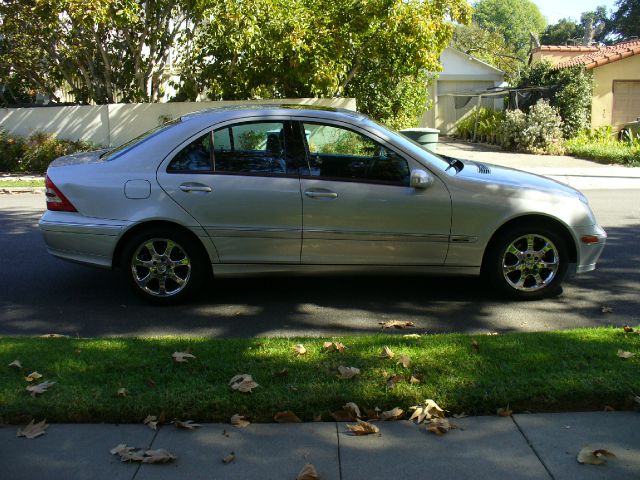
[[17, 190]]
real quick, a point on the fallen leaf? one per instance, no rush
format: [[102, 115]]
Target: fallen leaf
[[281, 373], [386, 353], [33, 430], [118, 449], [182, 357], [229, 458], [353, 408], [39, 388], [396, 324], [331, 346], [15, 363], [609, 408], [33, 376], [392, 380], [158, 456], [186, 425], [134, 454], [339, 346], [393, 414], [122, 392], [404, 360], [413, 380], [626, 328], [429, 410], [286, 417], [411, 335], [53, 335], [372, 414], [308, 472], [504, 412], [299, 349], [594, 457], [440, 426], [606, 309], [239, 421], [317, 417], [343, 416], [475, 345], [623, 354], [151, 421], [362, 428], [243, 383], [348, 372]]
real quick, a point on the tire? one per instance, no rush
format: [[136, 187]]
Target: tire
[[163, 266], [527, 263]]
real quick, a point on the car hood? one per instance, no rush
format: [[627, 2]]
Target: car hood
[[82, 158], [517, 179]]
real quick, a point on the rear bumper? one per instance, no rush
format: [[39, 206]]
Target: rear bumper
[[71, 236], [589, 253]]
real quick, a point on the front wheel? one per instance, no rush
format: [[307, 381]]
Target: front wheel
[[527, 263], [163, 267]]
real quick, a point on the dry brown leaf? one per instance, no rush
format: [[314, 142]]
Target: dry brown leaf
[[327, 346], [413, 380], [429, 410], [134, 454], [33, 430], [39, 388], [353, 408], [411, 335], [239, 421], [229, 458], [440, 426], [347, 372], [243, 383], [404, 360], [594, 457], [626, 328], [343, 416], [151, 421], [308, 472], [363, 428], [623, 354], [122, 392], [396, 324], [33, 376], [393, 379], [15, 363], [386, 353], [504, 412], [299, 349], [186, 425], [182, 357], [286, 417], [339, 346], [606, 309], [393, 414], [158, 456], [475, 345]]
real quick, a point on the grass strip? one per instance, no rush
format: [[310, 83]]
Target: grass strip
[[550, 371], [21, 183]]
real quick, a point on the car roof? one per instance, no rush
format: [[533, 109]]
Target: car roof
[[237, 111]]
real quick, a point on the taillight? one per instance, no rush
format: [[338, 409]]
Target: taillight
[[55, 199]]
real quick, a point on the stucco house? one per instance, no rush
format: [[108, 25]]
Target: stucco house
[[461, 73], [616, 78]]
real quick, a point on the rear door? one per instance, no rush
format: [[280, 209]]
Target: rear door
[[241, 184]]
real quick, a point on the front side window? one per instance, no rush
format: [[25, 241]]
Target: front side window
[[340, 154]]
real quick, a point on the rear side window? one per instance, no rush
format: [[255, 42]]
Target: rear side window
[[195, 157]]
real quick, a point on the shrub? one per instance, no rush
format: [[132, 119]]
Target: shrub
[[489, 125], [34, 153], [539, 131], [602, 146]]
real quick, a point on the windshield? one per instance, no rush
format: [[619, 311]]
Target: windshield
[[125, 147]]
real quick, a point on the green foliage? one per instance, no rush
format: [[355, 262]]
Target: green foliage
[[538, 131], [34, 153], [573, 93], [560, 33], [602, 146], [489, 123], [513, 19], [626, 19]]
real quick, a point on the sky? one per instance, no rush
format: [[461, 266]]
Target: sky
[[554, 10]]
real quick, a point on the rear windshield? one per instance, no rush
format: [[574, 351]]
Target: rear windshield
[[125, 147]]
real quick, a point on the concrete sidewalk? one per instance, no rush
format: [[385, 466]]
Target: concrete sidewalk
[[526, 446]]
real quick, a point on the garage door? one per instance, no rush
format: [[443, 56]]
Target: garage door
[[626, 102]]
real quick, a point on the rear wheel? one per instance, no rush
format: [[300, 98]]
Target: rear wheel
[[162, 266], [527, 263]]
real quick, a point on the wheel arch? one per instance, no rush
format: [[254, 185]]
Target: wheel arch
[[156, 224], [540, 220]]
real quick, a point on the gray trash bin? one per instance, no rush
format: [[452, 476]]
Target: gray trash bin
[[428, 137]]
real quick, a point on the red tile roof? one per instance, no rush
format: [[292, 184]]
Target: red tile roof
[[566, 48], [603, 56]]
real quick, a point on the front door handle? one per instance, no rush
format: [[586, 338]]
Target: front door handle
[[194, 187], [315, 194]]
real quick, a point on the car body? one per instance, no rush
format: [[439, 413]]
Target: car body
[[262, 189]]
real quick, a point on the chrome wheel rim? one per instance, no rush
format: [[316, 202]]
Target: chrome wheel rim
[[161, 267], [530, 263]]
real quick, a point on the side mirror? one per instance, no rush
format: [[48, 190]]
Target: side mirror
[[420, 179]]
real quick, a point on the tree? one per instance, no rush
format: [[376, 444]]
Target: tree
[[515, 20], [562, 32], [626, 19]]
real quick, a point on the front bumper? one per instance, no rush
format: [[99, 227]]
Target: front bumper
[[589, 253], [71, 236]]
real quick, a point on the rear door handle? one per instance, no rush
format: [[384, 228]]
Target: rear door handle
[[313, 194], [194, 187]]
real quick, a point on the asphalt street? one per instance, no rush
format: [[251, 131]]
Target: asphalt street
[[40, 294]]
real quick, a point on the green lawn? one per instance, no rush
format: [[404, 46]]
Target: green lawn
[[21, 183], [554, 371]]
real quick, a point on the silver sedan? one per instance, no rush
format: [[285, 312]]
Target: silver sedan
[[278, 189]]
